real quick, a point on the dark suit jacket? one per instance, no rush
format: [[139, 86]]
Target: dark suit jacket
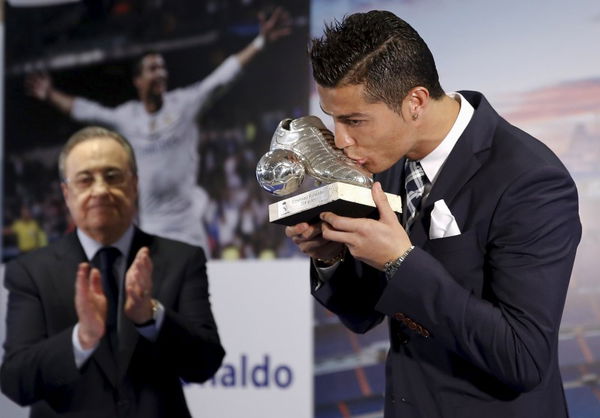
[[145, 380], [474, 318]]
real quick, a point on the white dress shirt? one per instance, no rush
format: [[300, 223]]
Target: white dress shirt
[[432, 163]]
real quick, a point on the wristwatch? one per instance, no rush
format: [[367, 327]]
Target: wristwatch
[[391, 266], [152, 320]]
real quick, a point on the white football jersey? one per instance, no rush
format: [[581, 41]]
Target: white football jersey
[[171, 204]]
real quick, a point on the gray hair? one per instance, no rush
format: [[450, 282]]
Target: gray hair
[[89, 133]]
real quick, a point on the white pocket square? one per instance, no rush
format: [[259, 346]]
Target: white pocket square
[[443, 224]]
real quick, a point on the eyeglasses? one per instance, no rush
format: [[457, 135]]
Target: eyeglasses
[[84, 181]]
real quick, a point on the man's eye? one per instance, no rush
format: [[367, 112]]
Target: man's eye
[[84, 181], [113, 177], [354, 122]]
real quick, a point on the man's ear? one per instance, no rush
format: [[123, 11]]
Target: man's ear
[[418, 99], [134, 180], [65, 190]]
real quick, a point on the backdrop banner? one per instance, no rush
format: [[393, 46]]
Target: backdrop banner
[[264, 313]]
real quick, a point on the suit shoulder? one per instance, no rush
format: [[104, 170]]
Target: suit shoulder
[[40, 263], [511, 147], [522, 151], [39, 255]]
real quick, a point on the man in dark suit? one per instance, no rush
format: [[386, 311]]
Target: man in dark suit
[[116, 339], [473, 278]]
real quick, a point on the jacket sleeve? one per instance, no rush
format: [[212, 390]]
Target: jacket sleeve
[[188, 338], [351, 293], [85, 110], [35, 364]]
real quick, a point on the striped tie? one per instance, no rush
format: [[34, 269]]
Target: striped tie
[[414, 184]]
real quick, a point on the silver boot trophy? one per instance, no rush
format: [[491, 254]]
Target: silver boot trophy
[[305, 146]]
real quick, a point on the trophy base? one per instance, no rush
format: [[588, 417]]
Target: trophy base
[[340, 198]]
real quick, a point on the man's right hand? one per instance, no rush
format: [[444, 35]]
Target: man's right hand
[[310, 241], [90, 304]]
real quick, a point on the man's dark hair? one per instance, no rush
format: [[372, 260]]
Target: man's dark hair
[[380, 51], [136, 67]]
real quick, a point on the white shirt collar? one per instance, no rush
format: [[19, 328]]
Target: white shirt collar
[[91, 246], [433, 162]]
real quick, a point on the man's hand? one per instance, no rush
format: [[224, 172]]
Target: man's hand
[[310, 241], [38, 85], [278, 25], [138, 288], [372, 241], [90, 304]]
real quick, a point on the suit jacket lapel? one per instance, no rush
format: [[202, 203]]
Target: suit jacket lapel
[[465, 159], [460, 166]]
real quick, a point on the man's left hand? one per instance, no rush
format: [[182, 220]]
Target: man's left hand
[[138, 288], [371, 241]]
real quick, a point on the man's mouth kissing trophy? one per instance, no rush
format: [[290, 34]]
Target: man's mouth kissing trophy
[[305, 146]]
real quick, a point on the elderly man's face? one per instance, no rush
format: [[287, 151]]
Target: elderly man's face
[[100, 189]]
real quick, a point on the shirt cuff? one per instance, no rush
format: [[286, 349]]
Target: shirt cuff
[[81, 355], [150, 332], [324, 273]]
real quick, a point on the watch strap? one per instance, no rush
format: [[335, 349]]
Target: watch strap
[[391, 266], [152, 320]]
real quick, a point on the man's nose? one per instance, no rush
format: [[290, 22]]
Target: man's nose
[[162, 72], [342, 137], [100, 186]]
